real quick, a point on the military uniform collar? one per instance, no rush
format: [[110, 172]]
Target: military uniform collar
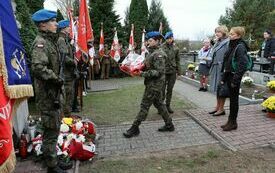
[[62, 34], [48, 35]]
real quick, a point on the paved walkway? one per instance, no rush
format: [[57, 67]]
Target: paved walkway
[[255, 129], [197, 128], [187, 133]]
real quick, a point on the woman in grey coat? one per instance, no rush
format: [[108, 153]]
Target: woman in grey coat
[[217, 54]]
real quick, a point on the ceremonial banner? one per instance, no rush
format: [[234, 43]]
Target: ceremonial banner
[[131, 41], [143, 46], [7, 157], [14, 68], [85, 33], [101, 42], [70, 16], [15, 82], [115, 49]]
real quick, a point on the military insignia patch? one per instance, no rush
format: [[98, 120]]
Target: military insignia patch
[[40, 45]]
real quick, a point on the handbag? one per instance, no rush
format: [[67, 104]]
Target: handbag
[[223, 90], [209, 64]]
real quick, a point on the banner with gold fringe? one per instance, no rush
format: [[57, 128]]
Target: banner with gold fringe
[[7, 159], [17, 80]]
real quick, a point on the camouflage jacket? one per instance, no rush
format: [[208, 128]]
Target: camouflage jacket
[[45, 70], [154, 72], [172, 62], [65, 50]]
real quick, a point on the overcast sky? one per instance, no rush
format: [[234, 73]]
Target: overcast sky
[[189, 19]]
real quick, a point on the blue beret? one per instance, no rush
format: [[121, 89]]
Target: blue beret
[[169, 35], [153, 34], [43, 15], [63, 24]]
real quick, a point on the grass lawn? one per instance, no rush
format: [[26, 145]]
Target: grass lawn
[[122, 105], [201, 159]]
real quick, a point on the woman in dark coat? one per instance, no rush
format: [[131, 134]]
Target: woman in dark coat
[[217, 54], [232, 77]]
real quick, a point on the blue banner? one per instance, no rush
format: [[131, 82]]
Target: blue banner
[[13, 63]]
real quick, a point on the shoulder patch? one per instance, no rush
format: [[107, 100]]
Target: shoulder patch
[[40, 45]]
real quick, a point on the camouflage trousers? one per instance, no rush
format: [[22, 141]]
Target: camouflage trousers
[[69, 94], [150, 97], [170, 80], [51, 123]]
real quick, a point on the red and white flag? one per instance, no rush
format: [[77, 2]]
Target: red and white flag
[[70, 16], [101, 42], [85, 31], [143, 46], [115, 49], [131, 41]]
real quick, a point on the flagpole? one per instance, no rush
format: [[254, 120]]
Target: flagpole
[[160, 30]]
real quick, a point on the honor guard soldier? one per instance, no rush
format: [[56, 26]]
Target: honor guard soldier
[[154, 78], [68, 63], [172, 68], [47, 83]]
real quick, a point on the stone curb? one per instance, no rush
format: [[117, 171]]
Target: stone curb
[[212, 133]]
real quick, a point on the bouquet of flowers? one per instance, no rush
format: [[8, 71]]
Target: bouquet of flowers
[[271, 85], [269, 104], [191, 67], [247, 80], [133, 64], [75, 140]]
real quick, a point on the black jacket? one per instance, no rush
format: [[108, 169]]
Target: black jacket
[[240, 53], [269, 49]]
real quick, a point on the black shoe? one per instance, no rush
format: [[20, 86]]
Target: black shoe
[[212, 112], [204, 89], [133, 131], [167, 128], [219, 114], [169, 109], [201, 89], [56, 170]]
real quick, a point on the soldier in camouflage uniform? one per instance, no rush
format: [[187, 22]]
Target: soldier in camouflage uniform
[[172, 68], [69, 64], [47, 83], [154, 75], [105, 63]]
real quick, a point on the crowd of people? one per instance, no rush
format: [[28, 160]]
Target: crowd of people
[[57, 76]]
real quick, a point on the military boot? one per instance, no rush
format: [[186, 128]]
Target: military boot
[[232, 125], [168, 127], [133, 131], [169, 109], [56, 169]]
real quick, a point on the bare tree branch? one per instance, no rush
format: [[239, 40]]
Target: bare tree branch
[[63, 5]]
